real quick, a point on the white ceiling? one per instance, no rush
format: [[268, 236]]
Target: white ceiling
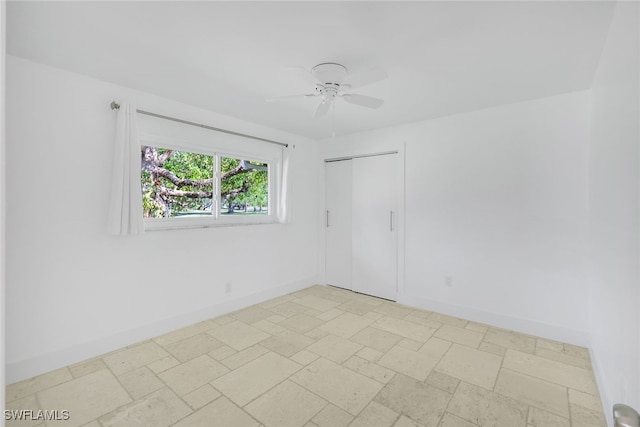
[[442, 57]]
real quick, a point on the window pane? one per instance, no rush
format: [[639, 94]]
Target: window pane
[[176, 183], [244, 187]]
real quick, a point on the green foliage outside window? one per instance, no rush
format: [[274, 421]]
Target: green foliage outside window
[[179, 183]]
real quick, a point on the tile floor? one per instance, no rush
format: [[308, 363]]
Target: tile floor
[[325, 357]]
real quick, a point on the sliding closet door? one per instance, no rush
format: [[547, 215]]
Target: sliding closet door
[[374, 236], [338, 223]]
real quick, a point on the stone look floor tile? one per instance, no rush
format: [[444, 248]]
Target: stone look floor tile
[[486, 408], [159, 409], [100, 388], [134, 357], [330, 314], [238, 335], [552, 371], [370, 354], [471, 365], [163, 364], [574, 350], [41, 382], [410, 344], [492, 348], [346, 325], [419, 401], [376, 338], [357, 307], [287, 343], [543, 344], [317, 303], [268, 326], [285, 405], [584, 417], [412, 363], [301, 323], [212, 372], [477, 327], [201, 396], [393, 310], [435, 348], [186, 332], [288, 309], [219, 413], [243, 357], [140, 382], [87, 367], [459, 335], [341, 386], [442, 381], [332, 416], [192, 347], [449, 320], [540, 418], [252, 314], [304, 357], [533, 391], [585, 400], [375, 415], [193, 374], [423, 321], [369, 369], [563, 358], [404, 328], [452, 421], [222, 353], [334, 348], [512, 340], [406, 422], [251, 380]]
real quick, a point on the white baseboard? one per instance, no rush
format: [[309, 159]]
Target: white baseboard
[[602, 387], [525, 326], [23, 369]]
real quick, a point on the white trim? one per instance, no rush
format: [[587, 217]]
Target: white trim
[[517, 324], [23, 369], [602, 387]]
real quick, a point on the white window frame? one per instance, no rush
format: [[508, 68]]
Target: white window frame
[[216, 219]]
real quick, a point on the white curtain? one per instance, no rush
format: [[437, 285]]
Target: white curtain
[[125, 208], [284, 199]]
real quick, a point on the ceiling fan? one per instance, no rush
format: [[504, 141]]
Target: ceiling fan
[[331, 81]]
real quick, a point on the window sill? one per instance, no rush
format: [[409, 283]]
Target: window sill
[[186, 223]]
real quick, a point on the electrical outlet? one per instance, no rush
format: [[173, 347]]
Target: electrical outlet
[[227, 288], [448, 281]]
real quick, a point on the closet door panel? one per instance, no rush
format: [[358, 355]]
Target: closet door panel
[[374, 236], [338, 223]]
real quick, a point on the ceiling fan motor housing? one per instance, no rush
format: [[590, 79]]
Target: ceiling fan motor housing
[[330, 73]]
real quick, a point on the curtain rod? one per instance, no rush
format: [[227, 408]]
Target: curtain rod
[[116, 106]]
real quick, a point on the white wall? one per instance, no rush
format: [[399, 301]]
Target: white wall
[[497, 199], [3, 10], [73, 291], [614, 214]]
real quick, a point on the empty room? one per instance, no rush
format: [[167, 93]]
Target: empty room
[[321, 213]]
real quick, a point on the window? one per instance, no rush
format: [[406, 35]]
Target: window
[[183, 188]]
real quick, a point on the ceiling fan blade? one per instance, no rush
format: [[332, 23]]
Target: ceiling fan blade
[[363, 100], [365, 78], [322, 108], [287, 97]]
